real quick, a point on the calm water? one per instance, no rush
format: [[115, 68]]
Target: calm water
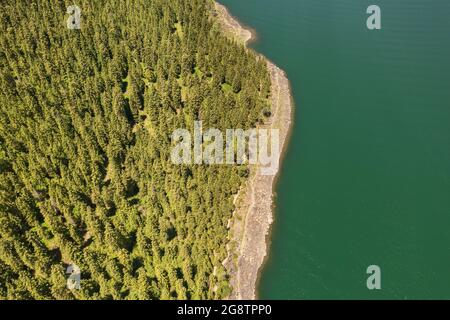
[[367, 177]]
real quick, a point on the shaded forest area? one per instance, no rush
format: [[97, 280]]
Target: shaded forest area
[[85, 135]]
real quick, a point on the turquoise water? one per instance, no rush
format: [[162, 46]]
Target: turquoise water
[[367, 176]]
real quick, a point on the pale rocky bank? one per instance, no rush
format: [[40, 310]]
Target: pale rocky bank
[[251, 222]]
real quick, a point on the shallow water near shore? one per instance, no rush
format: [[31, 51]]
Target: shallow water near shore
[[366, 179]]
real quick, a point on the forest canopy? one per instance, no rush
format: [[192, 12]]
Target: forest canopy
[[86, 118]]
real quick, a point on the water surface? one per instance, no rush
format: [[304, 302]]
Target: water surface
[[367, 176]]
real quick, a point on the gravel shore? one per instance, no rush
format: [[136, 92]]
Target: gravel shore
[[250, 226]]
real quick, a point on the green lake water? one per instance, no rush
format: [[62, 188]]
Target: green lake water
[[366, 180]]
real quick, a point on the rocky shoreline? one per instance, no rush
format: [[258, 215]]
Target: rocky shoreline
[[251, 222]]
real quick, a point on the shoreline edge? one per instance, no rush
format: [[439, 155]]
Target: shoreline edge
[[251, 224]]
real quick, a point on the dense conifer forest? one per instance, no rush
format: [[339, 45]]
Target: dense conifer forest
[[86, 118]]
